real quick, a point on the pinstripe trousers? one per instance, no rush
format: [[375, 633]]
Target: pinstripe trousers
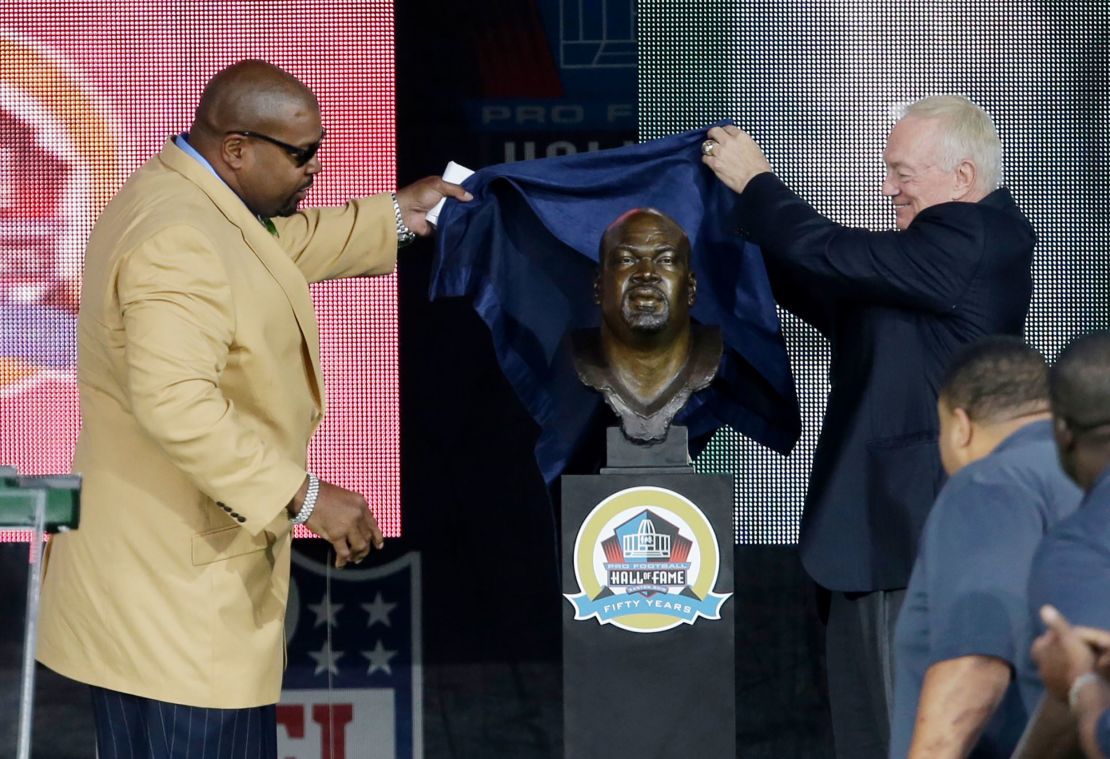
[[131, 727]]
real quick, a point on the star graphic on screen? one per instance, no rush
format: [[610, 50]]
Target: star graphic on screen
[[379, 658], [326, 659], [324, 613], [378, 611]]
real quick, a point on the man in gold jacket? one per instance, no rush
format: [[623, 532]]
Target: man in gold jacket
[[199, 373]]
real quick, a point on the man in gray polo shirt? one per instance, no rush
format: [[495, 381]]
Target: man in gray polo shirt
[[963, 680]]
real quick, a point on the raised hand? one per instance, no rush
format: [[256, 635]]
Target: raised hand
[[735, 157], [419, 197]]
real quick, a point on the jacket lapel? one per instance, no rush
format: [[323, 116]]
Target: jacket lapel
[[264, 245]]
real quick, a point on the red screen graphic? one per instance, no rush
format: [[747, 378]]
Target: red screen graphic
[[88, 92]]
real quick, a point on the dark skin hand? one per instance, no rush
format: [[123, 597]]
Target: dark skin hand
[[1063, 653], [419, 197], [343, 518]]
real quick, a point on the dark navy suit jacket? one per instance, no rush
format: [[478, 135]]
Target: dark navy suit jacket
[[894, 306]]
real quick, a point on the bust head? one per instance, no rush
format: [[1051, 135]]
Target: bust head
[[644, 286], [647, 358]]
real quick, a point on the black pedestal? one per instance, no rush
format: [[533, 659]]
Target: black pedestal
[[648, 646]]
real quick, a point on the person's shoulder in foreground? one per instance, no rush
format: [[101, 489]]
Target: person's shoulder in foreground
[[1071, 571], [963, 630], [1072, 567]]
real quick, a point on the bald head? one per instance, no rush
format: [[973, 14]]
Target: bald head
[[1080, 384], [252, 95], [663, 225], [1079, 387], [259, 129]]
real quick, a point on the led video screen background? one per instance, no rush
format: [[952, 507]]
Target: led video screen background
[[817, 81], [90, 90]]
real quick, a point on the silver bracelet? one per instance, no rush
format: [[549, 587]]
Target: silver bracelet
[[309, 502], [1078, 685], [404, 234]]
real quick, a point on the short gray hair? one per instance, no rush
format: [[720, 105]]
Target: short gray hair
[[968, 133]]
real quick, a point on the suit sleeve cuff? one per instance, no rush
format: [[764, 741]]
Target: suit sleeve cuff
[[754, 205], [268, 509]]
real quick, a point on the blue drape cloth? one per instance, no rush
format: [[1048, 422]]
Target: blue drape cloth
[[526, 250]]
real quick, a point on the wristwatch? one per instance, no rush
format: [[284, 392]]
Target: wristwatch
[[404, 234]]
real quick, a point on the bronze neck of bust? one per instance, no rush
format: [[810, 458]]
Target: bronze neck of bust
[[647, 367]]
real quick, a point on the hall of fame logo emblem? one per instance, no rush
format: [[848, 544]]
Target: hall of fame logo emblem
[[646, 560]]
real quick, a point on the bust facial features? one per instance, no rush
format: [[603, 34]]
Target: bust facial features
[[645, 287], [648, 357]]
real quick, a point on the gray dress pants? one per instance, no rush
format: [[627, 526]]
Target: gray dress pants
[[859, 640]]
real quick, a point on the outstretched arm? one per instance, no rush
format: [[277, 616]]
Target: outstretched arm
[[928, 265], [360, 238]]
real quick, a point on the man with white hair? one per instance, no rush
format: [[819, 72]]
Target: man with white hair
[[894, 306]]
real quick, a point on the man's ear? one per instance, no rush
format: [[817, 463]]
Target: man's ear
[[963, 431], [693, 288], [232, 150], [1065, 437], [1067, 447], [965, 176]]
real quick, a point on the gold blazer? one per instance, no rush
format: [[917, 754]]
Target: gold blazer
[[199, 373]]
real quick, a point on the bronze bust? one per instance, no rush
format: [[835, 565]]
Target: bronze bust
[[648, 358]]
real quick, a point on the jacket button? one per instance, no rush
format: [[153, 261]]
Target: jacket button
[[241, 519]]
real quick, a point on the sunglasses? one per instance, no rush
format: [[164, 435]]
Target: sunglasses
[[300, 156]]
